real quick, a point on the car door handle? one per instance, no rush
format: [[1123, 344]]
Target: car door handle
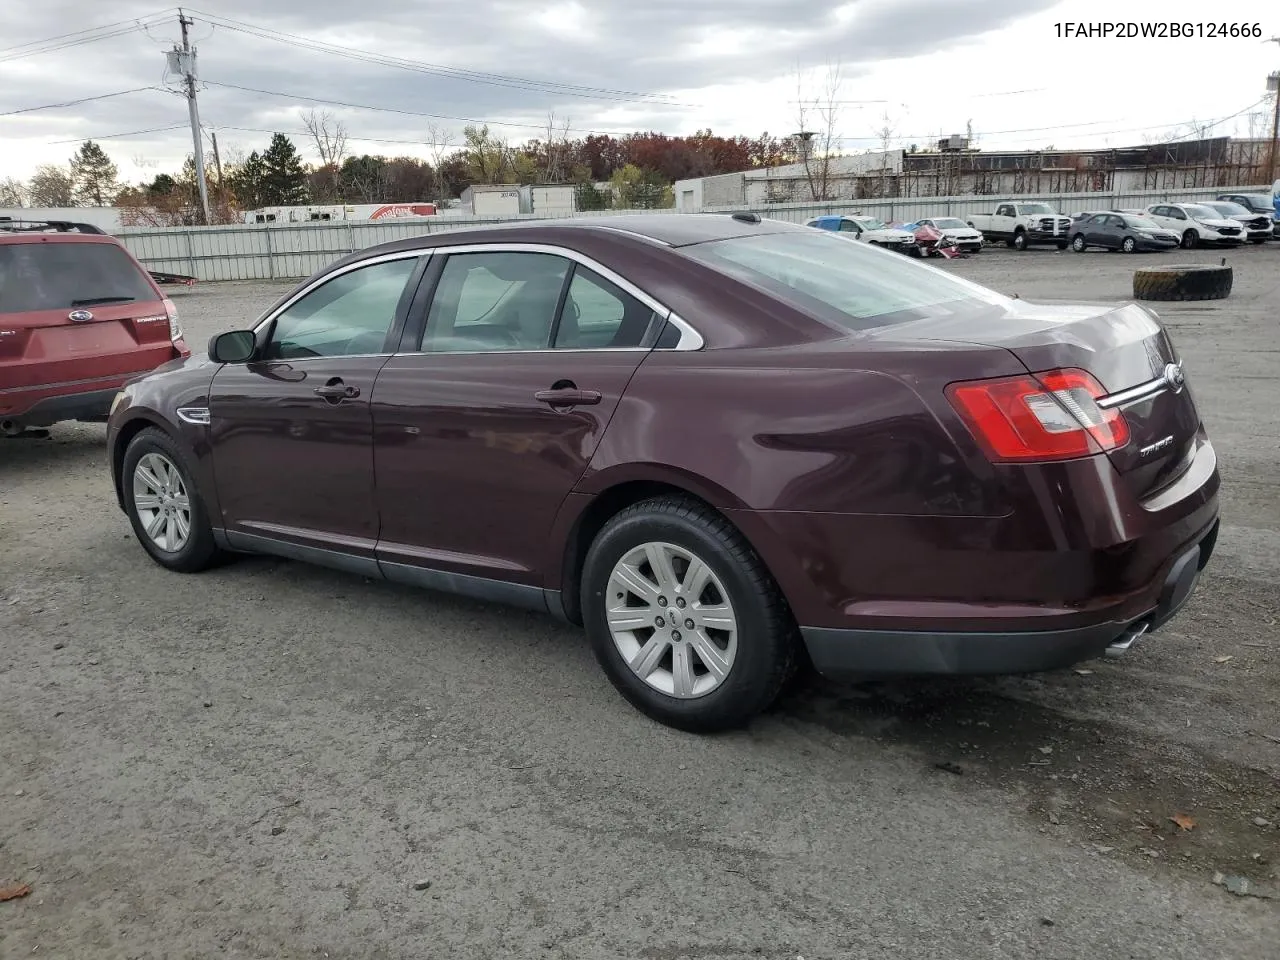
[[567, 397], [335, 389]]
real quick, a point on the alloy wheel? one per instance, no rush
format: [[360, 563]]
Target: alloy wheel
[[161, 501], [672, 621]]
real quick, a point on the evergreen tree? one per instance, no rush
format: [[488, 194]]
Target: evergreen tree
[[246, 182], [93, 177], [284, 181]]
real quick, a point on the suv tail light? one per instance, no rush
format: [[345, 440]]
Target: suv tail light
[[1045, 416], [175, 328]]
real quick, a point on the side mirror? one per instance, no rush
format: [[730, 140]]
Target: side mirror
[[237, 346]]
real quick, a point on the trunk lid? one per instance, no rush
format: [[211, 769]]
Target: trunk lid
[[1122, 347]]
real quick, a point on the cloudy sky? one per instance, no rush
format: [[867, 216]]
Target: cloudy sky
[[920, 67]]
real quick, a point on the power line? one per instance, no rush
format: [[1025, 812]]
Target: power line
[[79, 37], [396, 110], [116, 136], [72, 103], [440, 70]]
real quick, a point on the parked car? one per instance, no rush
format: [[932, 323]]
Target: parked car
[[78, 316], [1021, 225], [873, 475], [869, 229], [1197, 224], [1258, 203], [1258, 227], [961, 235], [1121, 231]]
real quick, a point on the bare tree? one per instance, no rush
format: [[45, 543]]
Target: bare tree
[[886, 134], [329, 135], [13, 193], [439, 146], [818, 116], [557, 145], [50, 187]]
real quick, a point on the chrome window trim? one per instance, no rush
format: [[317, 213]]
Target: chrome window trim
[[269, 317]]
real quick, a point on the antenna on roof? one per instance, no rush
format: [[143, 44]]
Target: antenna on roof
[[747, 217]]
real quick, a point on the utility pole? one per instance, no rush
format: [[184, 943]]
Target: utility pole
[[1274, 80], [183, 60], [217, 160]]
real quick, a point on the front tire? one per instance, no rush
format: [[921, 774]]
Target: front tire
[[1190, 240], [165, 509], [1019, 240], [685, 619], [1129, 245], [1078, 244]]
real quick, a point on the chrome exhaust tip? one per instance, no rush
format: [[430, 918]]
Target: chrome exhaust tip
[[1120, 647]]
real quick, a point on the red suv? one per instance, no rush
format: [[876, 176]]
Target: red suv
[[78, 317]]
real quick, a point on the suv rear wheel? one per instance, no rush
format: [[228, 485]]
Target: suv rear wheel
[[164, 507], [684, 618]]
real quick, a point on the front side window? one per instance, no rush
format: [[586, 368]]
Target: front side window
[[848, 226], [495, 301], [598, 313], [349, 315], [849, 284]]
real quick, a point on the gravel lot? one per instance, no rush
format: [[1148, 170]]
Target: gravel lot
[[262, 761]]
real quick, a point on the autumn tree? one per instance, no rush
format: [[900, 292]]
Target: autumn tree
[[94, 178], [485, 154], [50, 187]]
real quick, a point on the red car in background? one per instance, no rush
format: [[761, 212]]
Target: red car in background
[[78, 317]]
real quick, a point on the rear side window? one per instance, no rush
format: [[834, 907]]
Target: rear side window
[[62, 276], [847, 283]]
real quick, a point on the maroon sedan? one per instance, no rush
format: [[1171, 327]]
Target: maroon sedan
[[719, 443]]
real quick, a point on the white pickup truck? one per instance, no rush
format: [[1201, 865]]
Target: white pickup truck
[[1021, 225]]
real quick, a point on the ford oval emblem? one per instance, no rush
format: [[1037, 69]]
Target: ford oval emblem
[[1173, 376], [80, 316]]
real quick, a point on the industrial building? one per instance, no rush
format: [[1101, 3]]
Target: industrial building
[[956, 169]]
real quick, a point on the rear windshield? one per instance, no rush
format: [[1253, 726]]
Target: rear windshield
[[62, 276], [851, 284]]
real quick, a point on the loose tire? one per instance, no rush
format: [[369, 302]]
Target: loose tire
[[1129, 245], [1078, 244], [1019, 241], [163, 505], [1183, 282], [733, 644]]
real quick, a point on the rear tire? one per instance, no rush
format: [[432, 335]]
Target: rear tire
[[674, 556], [166, 511]]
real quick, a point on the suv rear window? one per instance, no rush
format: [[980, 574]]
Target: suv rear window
[[59, 276], [843, 281]]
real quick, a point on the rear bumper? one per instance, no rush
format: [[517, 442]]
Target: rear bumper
[[94, 406], [848, 654]]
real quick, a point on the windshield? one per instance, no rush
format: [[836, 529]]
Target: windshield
[[950, 223], [1228, 209], [1141, 223], [871, 223], [1036, 208], [848, 284], [1202, 212], [1259, 200], [60, 276]]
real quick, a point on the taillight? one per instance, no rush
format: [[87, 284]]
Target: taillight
[[1045, 416], [175, 328]]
